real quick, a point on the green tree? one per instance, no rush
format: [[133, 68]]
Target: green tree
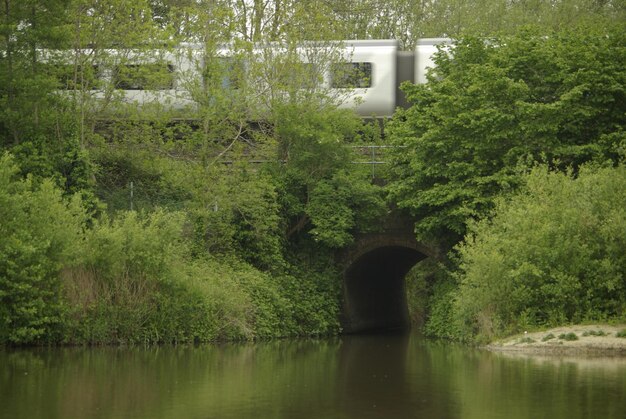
[[35, 123], [26, 28], [322, 192], [409, 20], [490, 106]]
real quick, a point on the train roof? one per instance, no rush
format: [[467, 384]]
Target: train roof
[[433, 41]]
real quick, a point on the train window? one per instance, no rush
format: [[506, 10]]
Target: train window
[[71, 77], [154, 76], [351, 75]]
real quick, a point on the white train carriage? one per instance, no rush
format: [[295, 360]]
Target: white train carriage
[[155, 78], [362, 75], [367, 77], [134, 78], [379, 69], [424, 53]]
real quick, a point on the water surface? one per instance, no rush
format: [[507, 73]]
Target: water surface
[[389, 376]]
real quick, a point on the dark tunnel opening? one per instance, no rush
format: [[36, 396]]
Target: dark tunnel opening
[[375, 292]]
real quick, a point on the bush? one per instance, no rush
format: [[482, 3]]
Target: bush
[[568, 336], [138, 284], [127, 265], [232, 210], [552, 254], [41, 232], [594, 333], [440, 322]]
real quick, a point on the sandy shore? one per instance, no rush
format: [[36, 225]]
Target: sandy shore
[[590, 339]]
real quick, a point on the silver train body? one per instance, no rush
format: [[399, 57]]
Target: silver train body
[[389, 68], [374, 93]]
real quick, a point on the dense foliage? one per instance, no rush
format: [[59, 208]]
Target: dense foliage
[[492, 110], [322, 191], [120, 223], [491, 107], [134, 278], [553, 254]]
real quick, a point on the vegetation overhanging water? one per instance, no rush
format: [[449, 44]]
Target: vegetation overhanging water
[[123, 224]]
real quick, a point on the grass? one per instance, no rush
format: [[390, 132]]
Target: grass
[[621, 333], [594, 333], [568, 336], [547, 337]]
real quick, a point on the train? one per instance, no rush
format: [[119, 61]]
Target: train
[[364, 74], [385, 68]]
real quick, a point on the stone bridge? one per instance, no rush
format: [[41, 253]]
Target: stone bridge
[[374, 295]]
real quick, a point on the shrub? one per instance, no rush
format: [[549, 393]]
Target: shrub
[[126, 266], [441, 322], [551, 254], [594, 333], [137, 284], [41, 232], [547, 337], [568, 336]]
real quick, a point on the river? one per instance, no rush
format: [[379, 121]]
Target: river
[[376, 376]]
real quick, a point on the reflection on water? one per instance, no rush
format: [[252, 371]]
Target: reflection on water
[[392, 376]]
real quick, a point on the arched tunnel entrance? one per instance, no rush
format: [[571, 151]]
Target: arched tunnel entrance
[[374, 289]]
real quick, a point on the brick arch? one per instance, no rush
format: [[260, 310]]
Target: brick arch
[[374, 296], [366, 243]]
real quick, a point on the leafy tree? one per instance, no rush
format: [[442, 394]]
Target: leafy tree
[[36, 124], [490, 106], [27, 27], [239, 215], [409, 20], [322, 193]]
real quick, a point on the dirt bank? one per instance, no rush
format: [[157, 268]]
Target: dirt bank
[[589, 339]]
